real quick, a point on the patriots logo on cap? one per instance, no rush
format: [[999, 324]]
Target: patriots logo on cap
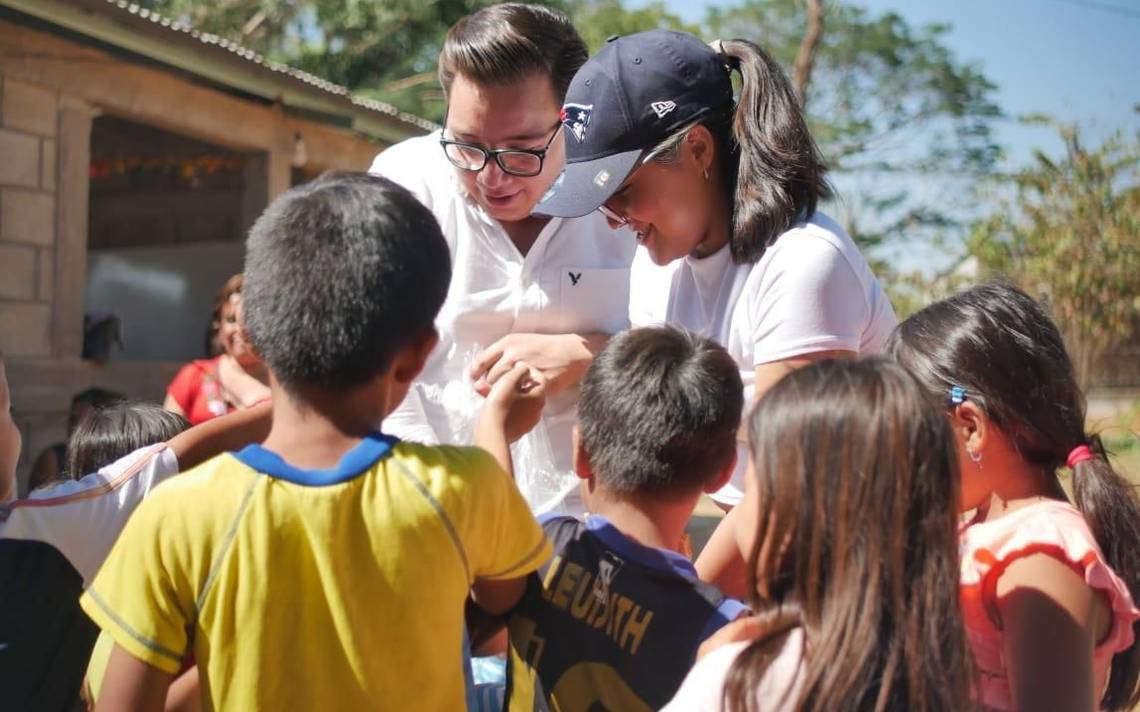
[[576, 117]]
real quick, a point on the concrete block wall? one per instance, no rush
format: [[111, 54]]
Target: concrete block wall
[[51, 89], [29, 127]]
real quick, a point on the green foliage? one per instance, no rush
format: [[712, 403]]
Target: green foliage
[[1071, 235], [895, 114], [878, 83], [382, 50], [598, 20]]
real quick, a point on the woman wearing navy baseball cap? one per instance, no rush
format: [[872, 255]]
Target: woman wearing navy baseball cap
[[722, 194]]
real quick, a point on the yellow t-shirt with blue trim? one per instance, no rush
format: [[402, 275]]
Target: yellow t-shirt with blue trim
[[317, 589]]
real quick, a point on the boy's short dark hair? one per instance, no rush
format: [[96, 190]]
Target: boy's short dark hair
[[340, 274], [114, 431], [659, 411]]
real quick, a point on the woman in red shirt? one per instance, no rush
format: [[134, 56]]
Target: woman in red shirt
[[235, 378]]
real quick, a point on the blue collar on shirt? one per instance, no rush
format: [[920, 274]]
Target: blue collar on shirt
[[661, 559], [354, 462]]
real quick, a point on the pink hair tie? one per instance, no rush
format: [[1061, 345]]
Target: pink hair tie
[[1079, 454]]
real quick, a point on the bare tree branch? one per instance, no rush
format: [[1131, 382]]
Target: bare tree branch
[[407, 82], [805, 57]]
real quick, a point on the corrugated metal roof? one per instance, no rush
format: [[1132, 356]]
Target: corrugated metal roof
[[207, 39], [125, 26]]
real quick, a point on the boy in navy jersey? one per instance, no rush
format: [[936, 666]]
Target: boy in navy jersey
[[615, 618]]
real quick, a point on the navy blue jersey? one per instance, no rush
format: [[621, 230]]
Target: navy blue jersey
[[608, 624]]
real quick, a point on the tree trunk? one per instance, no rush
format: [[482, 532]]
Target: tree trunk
[[805, 57]]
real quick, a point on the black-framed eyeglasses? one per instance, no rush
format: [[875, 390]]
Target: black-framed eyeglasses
[[520, 162]]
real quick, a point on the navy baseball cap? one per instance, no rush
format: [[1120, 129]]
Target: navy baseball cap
[[630, 96]]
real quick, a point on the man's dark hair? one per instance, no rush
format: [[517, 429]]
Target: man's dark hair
[[340, 274], [659, 411], [506, 43]]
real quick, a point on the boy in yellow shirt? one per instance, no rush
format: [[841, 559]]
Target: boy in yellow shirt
[[328, 567]]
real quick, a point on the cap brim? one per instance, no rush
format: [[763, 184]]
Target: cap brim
[[584, 186]]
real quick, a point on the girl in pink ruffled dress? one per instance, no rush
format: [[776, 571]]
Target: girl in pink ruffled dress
[[1047, 585]]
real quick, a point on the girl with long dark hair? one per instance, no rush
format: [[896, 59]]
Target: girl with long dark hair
[[849, 518], [1047, 586]]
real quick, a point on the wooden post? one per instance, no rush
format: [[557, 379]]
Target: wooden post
[[74, 157]]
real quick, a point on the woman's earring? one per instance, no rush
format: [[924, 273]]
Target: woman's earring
[[706, 174], [975, 457]]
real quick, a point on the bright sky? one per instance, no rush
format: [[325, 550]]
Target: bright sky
[[1078, 60]]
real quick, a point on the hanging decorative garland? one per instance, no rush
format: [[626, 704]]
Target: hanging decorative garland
[[187, 168]]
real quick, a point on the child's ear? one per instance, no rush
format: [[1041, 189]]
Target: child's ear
[[581, 457], [721, 479], [971, 426], [411, 359]]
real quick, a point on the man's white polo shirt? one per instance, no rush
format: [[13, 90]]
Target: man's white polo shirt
[[574, 280]]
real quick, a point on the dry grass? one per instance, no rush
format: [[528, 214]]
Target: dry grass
[[1121, 435]]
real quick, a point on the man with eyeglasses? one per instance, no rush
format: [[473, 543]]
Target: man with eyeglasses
[[549, 292]]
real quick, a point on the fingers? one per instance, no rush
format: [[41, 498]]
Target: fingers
[[482, 387], [519, 378], [487, 358], [534, 383], [501, 367], [521, 382], [509, 379]]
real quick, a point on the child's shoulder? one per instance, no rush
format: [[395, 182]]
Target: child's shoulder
[[458, 478], [204, 487], [195, 510], [458, 464], [670, 569], [1044, 526], [1051, 528]]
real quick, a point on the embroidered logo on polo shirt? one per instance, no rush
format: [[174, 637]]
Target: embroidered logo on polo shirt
[[662, 107], [576, 117], [574, 278]]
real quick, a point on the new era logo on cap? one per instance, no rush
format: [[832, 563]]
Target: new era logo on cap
[[576, 117], [662, 107]]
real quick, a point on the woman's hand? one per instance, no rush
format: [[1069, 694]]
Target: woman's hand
[[562, 358]]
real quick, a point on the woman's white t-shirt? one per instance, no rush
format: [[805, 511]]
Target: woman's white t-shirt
[[778, 691], [810, 291]]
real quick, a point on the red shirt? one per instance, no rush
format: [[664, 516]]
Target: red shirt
[[198, 391]]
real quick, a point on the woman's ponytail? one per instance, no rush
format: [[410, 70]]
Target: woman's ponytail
[[774, 164]]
